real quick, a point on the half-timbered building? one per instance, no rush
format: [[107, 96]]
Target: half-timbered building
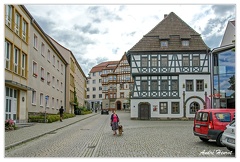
[[170, 67]]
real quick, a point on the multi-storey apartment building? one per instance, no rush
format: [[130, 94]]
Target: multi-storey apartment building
[[94, 83], [46, 74], [17, 40], [116, 86], [170, 67], [75, 79]]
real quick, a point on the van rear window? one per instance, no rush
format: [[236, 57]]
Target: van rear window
[[202, 116], [223, 117]]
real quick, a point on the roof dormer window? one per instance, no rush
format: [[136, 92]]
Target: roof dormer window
[[185, 43], [164, 43]]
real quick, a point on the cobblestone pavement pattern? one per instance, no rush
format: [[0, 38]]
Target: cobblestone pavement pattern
[[93, 137]]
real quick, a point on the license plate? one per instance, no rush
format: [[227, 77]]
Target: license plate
[[197, 126], [230, 140]]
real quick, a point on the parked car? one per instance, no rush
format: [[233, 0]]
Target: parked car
[[105, 111], [228, 137], [210, 123]]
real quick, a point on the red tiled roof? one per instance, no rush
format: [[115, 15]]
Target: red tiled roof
[[103, 65]]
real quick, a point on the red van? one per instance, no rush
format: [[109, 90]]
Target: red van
[[210, 123]]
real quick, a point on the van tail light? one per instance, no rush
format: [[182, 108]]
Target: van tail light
[[210, 126]]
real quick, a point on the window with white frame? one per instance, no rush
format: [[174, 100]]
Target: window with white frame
[[33, 97], [9, 15], [23, 65], [17, 23], [24, 30], [42, 74], [53, 81], [199, 85], [164, 43], [185, 43], [41, 99], [164, 61], [49, 56], [48, 78], [163, 108], [185, 61], [42, 49], [35, 74], [53, 60], [196, 61], [35, 41], [8, 51], [57, 104], [16, 57]]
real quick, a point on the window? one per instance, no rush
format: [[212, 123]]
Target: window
[[94, 81], [53, 102], [33, 97], [99, 88], [16, 57], [195, 61], [93, 74], [53, 81], [35, 42], [174, 85], [49, 56], [57, 64], [42, 74], [8, 51], [87, 96], [100, 95], [61, 68], [154, 85], [202, 116], [164, 61], [175, 108], [35, 69], [194, 107], [24, 30], [94, 89], [185, 43], [57, 84], [163, 108], [100, 81], [48, 78], [164, 85], [185, 61], [94, 96], [223, 117], [9, 15], [23, 65], [199, 85], [41, 99], [17, 23], [42, 49], [164, 43], [122, 95], [53, 60], [144, 62], [154, 61], [144, 85], [189, 85]]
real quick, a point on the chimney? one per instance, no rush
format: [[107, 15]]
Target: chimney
[[165, 15]]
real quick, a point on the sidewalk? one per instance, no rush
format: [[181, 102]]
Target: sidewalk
[[16, 137]]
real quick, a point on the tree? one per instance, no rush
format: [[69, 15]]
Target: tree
[[232, 84]]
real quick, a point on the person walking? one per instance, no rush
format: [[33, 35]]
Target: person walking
[[114, 122], [61, 113]]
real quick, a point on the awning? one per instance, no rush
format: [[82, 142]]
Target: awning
[[18, 85]]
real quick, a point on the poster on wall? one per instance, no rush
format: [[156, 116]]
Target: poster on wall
[[154, 107]]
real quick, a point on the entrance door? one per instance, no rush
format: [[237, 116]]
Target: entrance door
[[144, 111], [119, 107], [11, 104]]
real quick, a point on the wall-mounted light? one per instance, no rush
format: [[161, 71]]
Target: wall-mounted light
[[183, 85]]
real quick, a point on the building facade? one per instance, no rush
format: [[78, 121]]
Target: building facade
[[46, 73], [116, 86], [75, 80], [94, 83], [170, 67], [223, 70], [17, 39]]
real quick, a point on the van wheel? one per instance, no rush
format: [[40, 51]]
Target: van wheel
[[219, 140], [203, 139]]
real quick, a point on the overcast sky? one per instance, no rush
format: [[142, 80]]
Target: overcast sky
[[97, 33]]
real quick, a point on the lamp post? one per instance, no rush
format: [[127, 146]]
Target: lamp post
[[45, 115]]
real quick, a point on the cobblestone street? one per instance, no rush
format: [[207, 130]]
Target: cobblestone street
[[93, 137]]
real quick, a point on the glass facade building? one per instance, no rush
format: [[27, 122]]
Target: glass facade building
[[223, 92]]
